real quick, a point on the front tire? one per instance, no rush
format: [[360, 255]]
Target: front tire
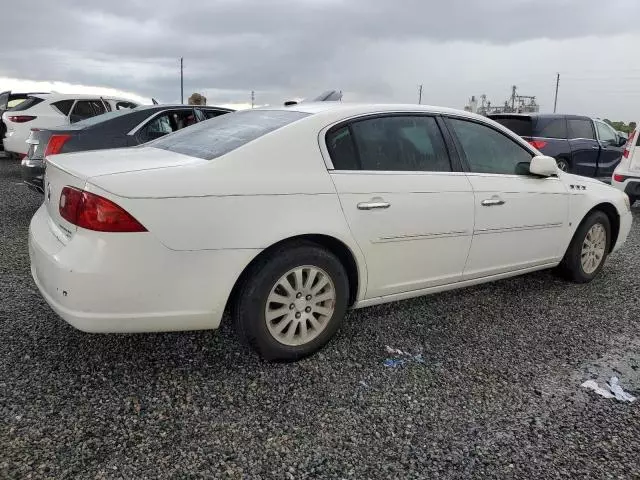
[[588, 249], [292, 301], [563, 164]]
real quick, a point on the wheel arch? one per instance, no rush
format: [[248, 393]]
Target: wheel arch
[[355, 271], [614, 220]]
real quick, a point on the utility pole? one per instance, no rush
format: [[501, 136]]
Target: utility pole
[[555, 102], [253, 98], [513, 98], [181, 82], [420, 94]]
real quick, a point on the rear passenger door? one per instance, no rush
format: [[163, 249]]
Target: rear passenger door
[[585, 149], [410, 212]]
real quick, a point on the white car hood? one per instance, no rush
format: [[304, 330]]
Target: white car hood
[[97, 163]]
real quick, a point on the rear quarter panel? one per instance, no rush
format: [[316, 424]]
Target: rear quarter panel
[[273, 188]]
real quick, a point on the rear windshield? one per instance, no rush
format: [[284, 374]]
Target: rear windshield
[[220, 135], [519, 125], [28, 103]]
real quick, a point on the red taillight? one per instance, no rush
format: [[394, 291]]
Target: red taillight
[[625, 154], [618, 178], [539, 144], [20, 118], [94, 212], [55, 144]]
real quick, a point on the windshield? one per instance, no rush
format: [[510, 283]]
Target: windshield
[[220, 135]]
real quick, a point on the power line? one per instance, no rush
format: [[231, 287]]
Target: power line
[[181, 82]]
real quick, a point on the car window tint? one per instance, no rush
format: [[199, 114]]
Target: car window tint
[[342, 149], [221, 135], [520, 125], [580, 128], [489, 151], [213, 113], [158, 127], [83, 109], [63, 106], [125, 105], [98, 107], [606, 133], [28, 103], [401, 143], [551, 127]]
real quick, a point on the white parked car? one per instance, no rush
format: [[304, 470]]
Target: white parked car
[[626, 176], [48, 110], [290, 216]]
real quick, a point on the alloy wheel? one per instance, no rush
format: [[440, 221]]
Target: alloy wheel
[[300, 305], [593, 248]]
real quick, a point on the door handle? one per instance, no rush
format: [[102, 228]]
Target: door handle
[[595, 147], [373, 205], [492, 202]]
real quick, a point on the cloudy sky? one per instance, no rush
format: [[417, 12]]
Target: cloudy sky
[[373, 50]]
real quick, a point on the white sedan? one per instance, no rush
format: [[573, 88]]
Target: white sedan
[[290, 216]]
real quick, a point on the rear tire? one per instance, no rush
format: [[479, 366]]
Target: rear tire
[[633, 200], [588, 249], [292, 301]]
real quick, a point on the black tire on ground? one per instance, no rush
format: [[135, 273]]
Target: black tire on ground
[[249, 308], [633, 199], [563, 164], [571, 266]]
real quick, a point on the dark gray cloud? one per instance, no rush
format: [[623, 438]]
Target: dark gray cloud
[[277, 47]]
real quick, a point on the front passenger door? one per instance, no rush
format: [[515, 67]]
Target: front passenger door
[[520, 219], [410, 213]]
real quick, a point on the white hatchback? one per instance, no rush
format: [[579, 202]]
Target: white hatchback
[[290, 216], [48, 110]]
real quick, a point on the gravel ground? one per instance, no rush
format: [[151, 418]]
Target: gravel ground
[[498, 395]]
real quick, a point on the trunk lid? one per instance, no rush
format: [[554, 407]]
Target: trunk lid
[[96, 163]]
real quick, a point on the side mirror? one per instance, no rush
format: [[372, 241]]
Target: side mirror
[[543, 166], [622, 141]]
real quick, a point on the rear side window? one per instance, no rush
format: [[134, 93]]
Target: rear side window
[[28, 103], [393, 143], [551, 128], [342, 149], [221, 135], [63, 106], [125, 105], [519, 125], [213, 113], [580, 128]]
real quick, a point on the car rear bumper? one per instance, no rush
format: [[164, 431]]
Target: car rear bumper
[[15, 143], [130, 282], [32, 172]]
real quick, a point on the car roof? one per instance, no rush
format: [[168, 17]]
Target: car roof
[[160, 106], [348, 109], [537, 115], [79, 96]]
